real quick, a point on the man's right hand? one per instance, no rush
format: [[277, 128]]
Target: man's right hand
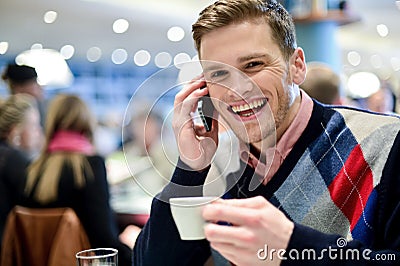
[[196, 146]]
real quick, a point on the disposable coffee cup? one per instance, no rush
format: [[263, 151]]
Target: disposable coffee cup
[[187, 214]]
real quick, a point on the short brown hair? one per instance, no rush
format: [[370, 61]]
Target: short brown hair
[[226, 12], [322, 83]]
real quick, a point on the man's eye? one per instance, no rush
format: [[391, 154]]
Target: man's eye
[[254, 64], [219, 73]]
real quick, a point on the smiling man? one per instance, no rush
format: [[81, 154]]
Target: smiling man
[[329, 190]]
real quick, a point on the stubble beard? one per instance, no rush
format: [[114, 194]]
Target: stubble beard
[[258, 131]]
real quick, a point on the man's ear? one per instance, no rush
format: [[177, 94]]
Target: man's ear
[[14, 137], [298, 66]]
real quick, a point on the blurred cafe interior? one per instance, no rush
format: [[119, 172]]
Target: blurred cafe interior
[[116, 54]]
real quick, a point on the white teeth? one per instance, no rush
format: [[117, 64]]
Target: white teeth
[[246, 107]]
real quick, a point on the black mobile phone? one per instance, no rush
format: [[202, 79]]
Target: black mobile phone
[[206, 110]]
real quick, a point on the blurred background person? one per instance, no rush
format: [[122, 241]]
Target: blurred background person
[[22, 123], [107, 136], [143, 138], [19, 130], [382, 101], [143, 165], [68, 173], [23, 79], [323, 84]]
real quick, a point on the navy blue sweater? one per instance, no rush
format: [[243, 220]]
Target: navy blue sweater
[[340, 185]]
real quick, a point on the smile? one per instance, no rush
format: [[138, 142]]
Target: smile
[[249, 108]]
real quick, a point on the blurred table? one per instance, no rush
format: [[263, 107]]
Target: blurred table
[[130, 206], [131, 197]]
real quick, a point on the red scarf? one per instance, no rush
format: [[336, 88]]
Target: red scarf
[[70, 141]]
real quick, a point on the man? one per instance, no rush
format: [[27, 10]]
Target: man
[[332, 189], [322, 84], [383, 100], [23, 79]]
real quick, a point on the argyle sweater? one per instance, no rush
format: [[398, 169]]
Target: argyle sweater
[[340, 185]]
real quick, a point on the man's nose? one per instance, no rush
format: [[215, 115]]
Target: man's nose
[[240, 86]]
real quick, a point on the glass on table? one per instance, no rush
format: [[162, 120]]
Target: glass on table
[[97, 257]]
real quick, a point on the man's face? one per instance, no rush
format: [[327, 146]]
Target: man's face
[[31, 87], [260, 94], [32, 137]]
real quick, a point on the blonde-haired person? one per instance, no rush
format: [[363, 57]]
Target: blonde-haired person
[[68, 173], [19, 131]]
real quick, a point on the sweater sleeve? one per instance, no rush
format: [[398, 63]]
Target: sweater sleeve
[[159, 242]]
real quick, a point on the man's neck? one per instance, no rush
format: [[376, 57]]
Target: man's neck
[[292, 112]]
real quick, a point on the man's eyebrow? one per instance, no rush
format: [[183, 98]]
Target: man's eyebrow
[[216, 66], [213, 67], [251, 57]]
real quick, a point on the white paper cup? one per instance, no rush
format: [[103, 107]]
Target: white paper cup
[[186, 212]]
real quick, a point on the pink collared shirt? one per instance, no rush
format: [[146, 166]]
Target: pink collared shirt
[[284, 145]]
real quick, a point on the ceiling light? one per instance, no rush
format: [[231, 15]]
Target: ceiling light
[[195, 58], [376, 61], [382, 30], [50, 66], [36, 46], [3, 47], [119, 56], [67, 51], [354, 58], [180, 59], [398, 4], [384, 73], [50, 16], [362, 84], [120, 25], [163, 60], [93, 54], [175, 34], [142, 58], [395, 62]]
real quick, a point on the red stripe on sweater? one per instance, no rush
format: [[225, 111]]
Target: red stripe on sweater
[[352, 186]]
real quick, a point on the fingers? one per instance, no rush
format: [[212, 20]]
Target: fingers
[[186, 102], [231, 214], [232, 235], [188, 90], [236, 211], [196, 147], [254, 202]]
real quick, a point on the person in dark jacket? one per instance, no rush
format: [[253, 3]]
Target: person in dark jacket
[[68, 173], [19, 130]]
